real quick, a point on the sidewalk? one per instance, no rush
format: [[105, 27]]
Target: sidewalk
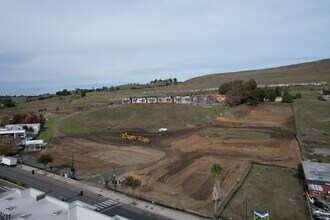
[[117, 196]]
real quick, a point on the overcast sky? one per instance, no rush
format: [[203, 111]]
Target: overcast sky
[[46, 46]]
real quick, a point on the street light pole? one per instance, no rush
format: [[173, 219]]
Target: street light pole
[[72, 168]]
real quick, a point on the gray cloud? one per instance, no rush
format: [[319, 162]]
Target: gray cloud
[[58, 44]]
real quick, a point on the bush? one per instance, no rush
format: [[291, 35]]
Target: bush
[[298, 95], [321, 98], [287, 99]]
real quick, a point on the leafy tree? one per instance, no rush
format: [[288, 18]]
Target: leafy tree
[[216, 173], [255, 96], [45, 159], [131, 183], [287, 99], [224, 88], [278, 91], [175, 80], [83, 93], [326, 91], [298, 95], [112, 88], [9, 103], [63, 92], [286, 92], [250, 85], [270, 94], [234, 96]]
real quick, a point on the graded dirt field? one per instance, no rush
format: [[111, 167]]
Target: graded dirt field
[[175, 167]]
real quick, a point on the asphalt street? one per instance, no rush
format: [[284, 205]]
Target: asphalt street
[[7, 186], [62, 190]]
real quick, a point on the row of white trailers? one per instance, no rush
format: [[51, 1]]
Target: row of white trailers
[[169, 99]]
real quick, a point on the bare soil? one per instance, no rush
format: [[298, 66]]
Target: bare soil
[[175, 167]]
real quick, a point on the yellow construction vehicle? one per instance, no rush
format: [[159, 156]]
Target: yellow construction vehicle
[[126, 136]]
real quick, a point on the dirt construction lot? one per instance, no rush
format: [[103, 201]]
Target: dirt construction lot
[[175, 167]]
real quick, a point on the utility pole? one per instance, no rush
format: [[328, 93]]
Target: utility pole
[[246, 210], [114, 175], [72, 168]]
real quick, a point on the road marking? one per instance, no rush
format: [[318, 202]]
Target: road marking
[[112, 207], [105, 204], [4, 189], [110, 202]]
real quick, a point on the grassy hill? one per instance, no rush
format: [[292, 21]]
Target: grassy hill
[[304, 72]]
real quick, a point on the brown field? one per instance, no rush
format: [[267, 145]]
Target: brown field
[[174, 168]]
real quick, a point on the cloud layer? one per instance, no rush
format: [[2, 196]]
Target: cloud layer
[[46, 46]]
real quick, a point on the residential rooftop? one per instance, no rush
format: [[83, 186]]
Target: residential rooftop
[[316, 171]]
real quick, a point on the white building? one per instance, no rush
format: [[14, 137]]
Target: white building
[[34, 204], [33, 126], [278, 99], [19, 133]]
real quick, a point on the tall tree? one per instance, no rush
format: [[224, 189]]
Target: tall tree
[[216, 173], [45, 159], [132, 183], [224, 88], [278, 91], [234, 96]]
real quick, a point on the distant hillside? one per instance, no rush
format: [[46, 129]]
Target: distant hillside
[[298, 73]]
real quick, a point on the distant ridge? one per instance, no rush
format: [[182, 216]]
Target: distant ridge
[[298, 73]]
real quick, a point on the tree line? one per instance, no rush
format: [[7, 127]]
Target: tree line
[[238, 92]]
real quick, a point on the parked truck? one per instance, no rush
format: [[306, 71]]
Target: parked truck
[[9, 161]]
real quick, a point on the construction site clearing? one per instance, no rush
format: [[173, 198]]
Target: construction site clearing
[[175, 167]]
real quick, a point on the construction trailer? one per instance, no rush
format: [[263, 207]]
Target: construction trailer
[[9, 161]]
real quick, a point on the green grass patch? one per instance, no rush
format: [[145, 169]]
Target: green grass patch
[[269, 188], [312, 118], [70, 126], [233, 133], [246, 134], [47, 132]]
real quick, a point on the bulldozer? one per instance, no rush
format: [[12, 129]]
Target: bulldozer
[[144, 140], [126, 136]]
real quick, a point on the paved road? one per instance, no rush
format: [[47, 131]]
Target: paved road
[[7, 186], [58, 189]]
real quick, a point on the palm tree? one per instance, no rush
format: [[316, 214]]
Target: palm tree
[[216, 173]]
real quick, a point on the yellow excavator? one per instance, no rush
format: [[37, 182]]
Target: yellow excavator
[[126, 136]]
